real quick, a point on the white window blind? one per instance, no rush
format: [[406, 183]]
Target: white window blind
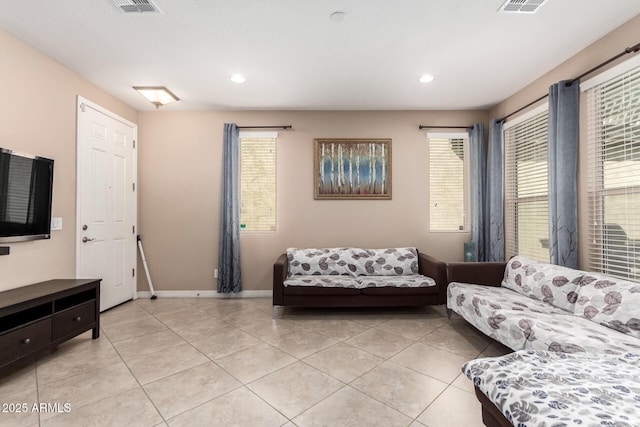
[[614, 175], [448, 187], [257, 182], [526, 187]]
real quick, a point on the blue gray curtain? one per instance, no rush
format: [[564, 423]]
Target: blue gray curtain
[[477, 171], [229, 279], [563, 160], [494, 195]]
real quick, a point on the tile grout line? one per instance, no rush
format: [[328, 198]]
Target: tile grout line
[[242, 384], [299, 327], [37, 388], [136, 378], [82, 373], [138, 381]]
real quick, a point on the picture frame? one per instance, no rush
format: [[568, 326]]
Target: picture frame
[[352, 168]]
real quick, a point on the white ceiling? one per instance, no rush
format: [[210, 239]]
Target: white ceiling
[[295, 57]]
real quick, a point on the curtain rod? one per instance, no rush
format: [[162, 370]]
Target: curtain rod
[[266, 127], [632, 49], [442, 127], [523, 108]]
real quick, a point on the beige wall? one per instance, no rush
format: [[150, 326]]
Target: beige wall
[[613, 43], [179, 178], [38, 116], [179, 173]]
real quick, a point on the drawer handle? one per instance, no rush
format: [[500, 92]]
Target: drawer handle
[[26, 341], [77, 319]]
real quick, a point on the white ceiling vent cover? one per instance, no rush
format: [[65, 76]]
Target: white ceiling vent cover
[[136, 6], [522, 6]]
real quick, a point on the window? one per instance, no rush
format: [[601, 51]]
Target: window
[[258, 181], [613, 100], [526, 188], [448, 182]]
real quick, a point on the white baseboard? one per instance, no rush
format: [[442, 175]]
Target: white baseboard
[[206, 294]]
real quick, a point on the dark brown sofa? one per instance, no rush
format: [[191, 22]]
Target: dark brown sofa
[[311, 296]]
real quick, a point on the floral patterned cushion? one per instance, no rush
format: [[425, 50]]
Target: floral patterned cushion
[[520, 322], [352, 261], [546, 282], [567, 333], [384, 262], [538, 388], [406, 281], [610, 302], [485, 307], [360, 282], [325, 261], [323, 281]]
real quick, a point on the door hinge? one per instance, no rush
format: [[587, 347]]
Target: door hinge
[[83, 107], [134, 186], [133, 272], [133, 229], [134, 143]]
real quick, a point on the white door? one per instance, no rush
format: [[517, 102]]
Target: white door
[[106, 205]]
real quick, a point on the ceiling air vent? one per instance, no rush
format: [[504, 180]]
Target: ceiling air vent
[[136, 6], [521, 6]]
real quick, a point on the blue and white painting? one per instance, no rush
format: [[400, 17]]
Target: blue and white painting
[[353, 168]]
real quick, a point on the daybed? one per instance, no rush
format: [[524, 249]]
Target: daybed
[[544, 312], [356, 277]]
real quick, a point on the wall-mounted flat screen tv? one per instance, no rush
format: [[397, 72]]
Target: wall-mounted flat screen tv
[[26, 184]]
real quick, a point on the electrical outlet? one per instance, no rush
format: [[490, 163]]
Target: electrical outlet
[[215, 273]]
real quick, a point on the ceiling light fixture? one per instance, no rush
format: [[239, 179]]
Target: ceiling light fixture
[[157, 95], [426, 78], [338, 17], [237, 78]]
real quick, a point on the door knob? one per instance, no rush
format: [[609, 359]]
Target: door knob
[[85, 239]]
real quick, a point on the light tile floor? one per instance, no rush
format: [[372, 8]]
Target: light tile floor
[[226, 362]]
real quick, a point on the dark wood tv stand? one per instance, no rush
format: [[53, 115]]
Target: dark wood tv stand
[[41, 316]]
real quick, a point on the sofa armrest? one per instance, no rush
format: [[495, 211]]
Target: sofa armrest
[[479, 273], [437, 270], [280, 268]]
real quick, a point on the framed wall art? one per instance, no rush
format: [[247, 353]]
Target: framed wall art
[[352, 169]]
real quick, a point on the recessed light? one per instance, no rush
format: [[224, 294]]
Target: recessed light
[[426, 78], [338, 17], [238, 78]]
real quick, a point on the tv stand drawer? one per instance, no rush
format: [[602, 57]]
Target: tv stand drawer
[[74, 320], [25, 340]]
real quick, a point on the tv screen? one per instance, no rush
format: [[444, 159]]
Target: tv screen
[[26, 184]]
